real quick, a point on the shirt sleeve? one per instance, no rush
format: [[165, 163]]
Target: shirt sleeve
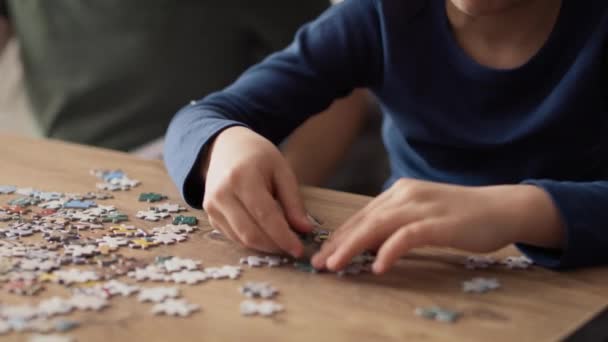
[[328, 59], [584, 210]]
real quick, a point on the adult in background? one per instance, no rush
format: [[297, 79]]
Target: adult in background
[[112, 73]]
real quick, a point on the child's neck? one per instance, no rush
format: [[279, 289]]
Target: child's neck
[[508, 38]]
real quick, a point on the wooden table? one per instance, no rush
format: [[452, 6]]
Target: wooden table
[[532, 305]]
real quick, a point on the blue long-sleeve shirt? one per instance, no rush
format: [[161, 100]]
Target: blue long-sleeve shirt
[[447, 118]]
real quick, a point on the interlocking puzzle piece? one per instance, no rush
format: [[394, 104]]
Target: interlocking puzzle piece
[[177, 264], [150, 215], [100, 210], [73, 275], [115, 287], [38, 265], [60, 236], [480, 285], [114, 217], [252, 261], [517, 262], [102, 196], [24, 312], [46, 212], [188, 277], [50, 338], [157, 294], [189, 220], [223, 272], [82, 217], [438, 314], [27, 191], [479, 261], [55, 306], [113, 242], [48, 196], [257, 261], [24, 201], [151, 197], [124, 182], [7, 189], [142, 243], [86, 226], [15, 209], [175, 307], [150, 272], [174, 228], [258, 290], [54, 204], [168, 238], [108, 175], [23, 287], [8, 217], [74, 204], [7, 265], [80, 251], [266, 308], [304, 266], [111, 187], [84, 302], [355, 269], [168, 208], [5, 327], [124, 230]]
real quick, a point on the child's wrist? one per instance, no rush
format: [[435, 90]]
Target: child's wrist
[[538, 221]]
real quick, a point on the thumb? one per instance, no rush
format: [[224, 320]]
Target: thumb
[[288, 194]]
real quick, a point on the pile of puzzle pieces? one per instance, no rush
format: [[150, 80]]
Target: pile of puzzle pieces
[[74, 240]]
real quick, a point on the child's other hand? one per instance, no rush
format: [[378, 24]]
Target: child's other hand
[[251, 194], [415, 213]]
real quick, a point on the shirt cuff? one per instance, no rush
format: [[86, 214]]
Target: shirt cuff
[[186, 140], [581, 248]]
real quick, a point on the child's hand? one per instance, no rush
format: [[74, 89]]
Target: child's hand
[[415, 213], [251, 194]]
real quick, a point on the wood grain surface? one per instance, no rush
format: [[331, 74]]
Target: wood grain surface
[[532, 305]]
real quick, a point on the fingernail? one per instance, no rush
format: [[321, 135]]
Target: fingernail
[[331, 263], [377, 268], [313, 220]]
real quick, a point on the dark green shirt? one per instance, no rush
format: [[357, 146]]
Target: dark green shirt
[[112, 73]]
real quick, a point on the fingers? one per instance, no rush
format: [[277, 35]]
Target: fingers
[[370, 233], [338, 237], [268, 217], [219, 222], [249, 234], [288, 194], [402, 241]]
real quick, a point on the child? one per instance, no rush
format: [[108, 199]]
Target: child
[[495, 125]]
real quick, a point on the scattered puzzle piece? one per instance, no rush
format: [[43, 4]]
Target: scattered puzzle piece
[[151, 197], [517, 262], [84, 302], [480, 285], [168, 208], [150, 215], [266, 308], [258, 290], [157, 294], [189, 220], [438, 314], [142, 243], [175, 307]]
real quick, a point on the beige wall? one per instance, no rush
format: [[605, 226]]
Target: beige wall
[[15, 116]]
